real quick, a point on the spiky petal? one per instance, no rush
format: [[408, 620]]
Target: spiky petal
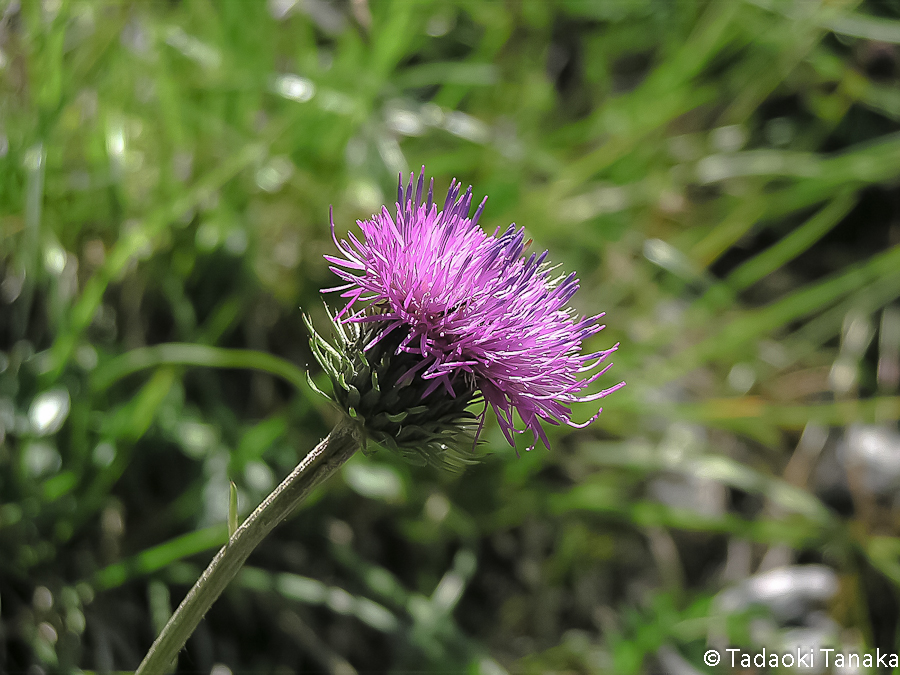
[[472, 307]]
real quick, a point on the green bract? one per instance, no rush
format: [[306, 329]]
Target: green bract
[[369, 386]]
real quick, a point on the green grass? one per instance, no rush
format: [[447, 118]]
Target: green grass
[[721, 175]]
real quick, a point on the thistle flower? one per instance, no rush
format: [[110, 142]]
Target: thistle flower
[[456, 315]]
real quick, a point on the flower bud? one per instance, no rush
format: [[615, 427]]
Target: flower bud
[[380, 388]]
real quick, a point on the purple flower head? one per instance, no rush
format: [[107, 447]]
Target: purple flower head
[[472, 307]]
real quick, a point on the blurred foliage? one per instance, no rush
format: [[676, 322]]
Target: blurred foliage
[[724, 176]]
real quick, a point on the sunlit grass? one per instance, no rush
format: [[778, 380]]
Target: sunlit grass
[[722, 177]]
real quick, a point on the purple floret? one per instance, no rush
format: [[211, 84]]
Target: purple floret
[[473, 307]]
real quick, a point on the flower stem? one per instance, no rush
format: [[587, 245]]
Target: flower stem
[[344, 440]]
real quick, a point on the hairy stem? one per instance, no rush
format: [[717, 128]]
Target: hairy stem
[[345, 439]]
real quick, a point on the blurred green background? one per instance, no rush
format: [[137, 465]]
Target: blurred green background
[[724, 176]]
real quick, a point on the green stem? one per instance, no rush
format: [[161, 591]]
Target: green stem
[[345, 439]]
